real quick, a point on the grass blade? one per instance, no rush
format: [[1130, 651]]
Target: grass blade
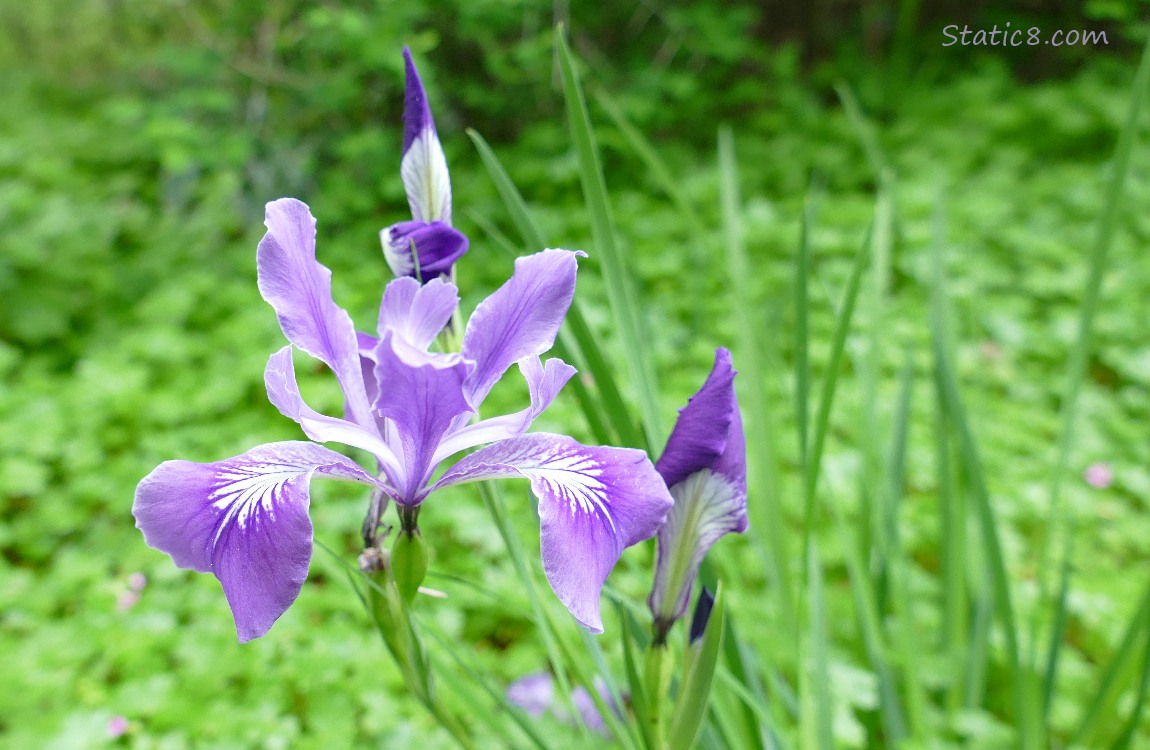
[[692, 703], [764, 506], [575, 337], [984, 510], [620, 292], [827, 392], [1118, 673], [821, 734], [1076, 374]]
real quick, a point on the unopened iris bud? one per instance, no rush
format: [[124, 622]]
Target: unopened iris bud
[[705, 468], [426, 246], [409, 563]]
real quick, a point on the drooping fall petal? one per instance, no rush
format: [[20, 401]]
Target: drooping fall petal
[[593, 503], [243, 519]]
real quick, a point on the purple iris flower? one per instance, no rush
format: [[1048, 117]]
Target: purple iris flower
[[705, 467], [245, 519], [427, 246], [535, 694]]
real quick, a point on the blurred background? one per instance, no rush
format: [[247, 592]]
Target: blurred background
[[139, 141]]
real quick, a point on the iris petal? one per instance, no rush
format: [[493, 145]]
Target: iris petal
[[593, 503], [423, 398], [705, 465], [707, 506], [708, 433], [544, 381], [424, 166], [298, 287], [520, 318], [417, 313], [243, 519], [283, 392]]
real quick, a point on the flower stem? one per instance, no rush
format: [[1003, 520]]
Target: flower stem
[[656, 681], [399, 632]]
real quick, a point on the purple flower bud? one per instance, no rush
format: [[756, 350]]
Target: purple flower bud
[[705, 468]]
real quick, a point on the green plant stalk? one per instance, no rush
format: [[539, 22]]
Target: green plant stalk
[[699, 662], [494, 506], [1114, 677], [988, 525], [818, 723], [574, 337], [827, 394], [1076, 374], [395, 624], [657, 668]]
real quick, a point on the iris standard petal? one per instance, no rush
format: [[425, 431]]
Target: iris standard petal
[[593, 502], [243, 519], [283, 392], [520, 318], [299, 289], [544, 381], [417, 313], [422, 399], [435, 245], [703, 431], [424, 167]]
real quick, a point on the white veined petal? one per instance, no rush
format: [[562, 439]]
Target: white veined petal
[[426, 180]]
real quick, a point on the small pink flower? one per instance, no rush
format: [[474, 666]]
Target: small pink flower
[[117, 727], [137, 582], [1098, 475], [126, 601]]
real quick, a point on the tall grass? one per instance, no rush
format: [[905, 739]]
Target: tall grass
[[971, 625]]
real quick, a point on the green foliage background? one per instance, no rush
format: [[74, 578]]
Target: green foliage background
[[139, 141]]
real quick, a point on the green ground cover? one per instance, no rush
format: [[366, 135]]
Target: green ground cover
[[134, 162]]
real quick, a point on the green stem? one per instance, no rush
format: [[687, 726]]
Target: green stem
[[398, 630], [657, 681]]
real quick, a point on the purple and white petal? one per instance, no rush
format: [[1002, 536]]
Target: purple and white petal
[[424, 167], [416, 314], [422, 400], [707, 506], [544, 381], [593, 503], [426, 250], [704, 432], [243, 519], [520, 318], [283, 392], [299, 289], [705, 465], [367, 344]]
